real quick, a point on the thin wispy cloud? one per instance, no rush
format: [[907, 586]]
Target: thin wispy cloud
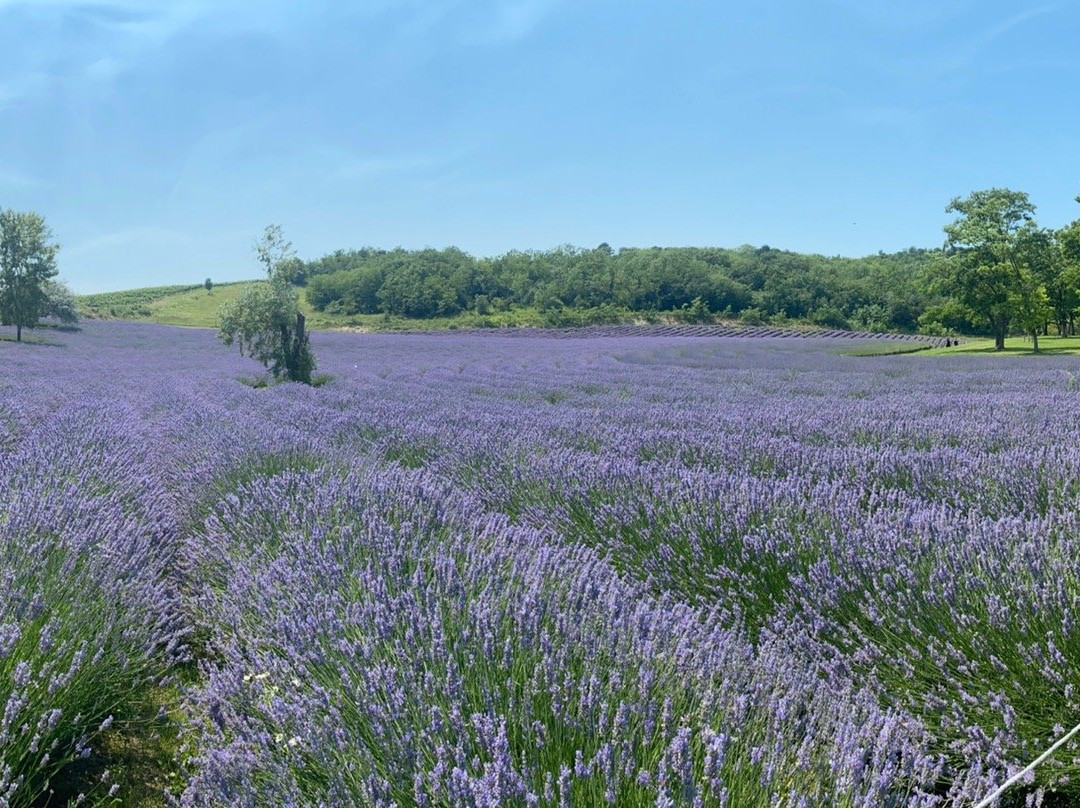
[[123, 238], [989, 36], [893, 119], [962, 52], [144, 130], [513, 21], [19, 86], [110, 39], [906, 14], [14, 179], [364, 168]]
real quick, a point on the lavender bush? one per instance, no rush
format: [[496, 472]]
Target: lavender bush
[[485, 571], [89, 621], [439, 655]]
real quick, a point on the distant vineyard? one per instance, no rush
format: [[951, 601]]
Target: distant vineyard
[[129, 303], [134, 304]]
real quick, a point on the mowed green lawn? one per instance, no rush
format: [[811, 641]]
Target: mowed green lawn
[[1014, 346]]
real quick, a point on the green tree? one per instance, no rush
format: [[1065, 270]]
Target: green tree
[[27, 262], [873, 317], [293, 270], [1031, 305], [944, 319], [273, 250], [1068, 245], [1044, 255], [209, 285], [61, 302], [266, 321], [433, 283], [984, 263]]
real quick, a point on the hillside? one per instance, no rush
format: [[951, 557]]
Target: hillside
[[429, 289], [192, 307], [167, 305]]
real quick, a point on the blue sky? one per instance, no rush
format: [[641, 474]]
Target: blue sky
[[159, 138]]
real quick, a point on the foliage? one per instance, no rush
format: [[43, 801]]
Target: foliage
[[441, 283], [130, 303], [872, 318], [265, 321], [1030, 305], [27, 262], [752, 316], [60, 302], [998, 261], [89, 620], [273, 250], [208, 284], [697, 311], [998, 274]]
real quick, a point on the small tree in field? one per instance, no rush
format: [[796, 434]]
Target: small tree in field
[[60, 302], [265, 321], [27, 262], [209, 285]]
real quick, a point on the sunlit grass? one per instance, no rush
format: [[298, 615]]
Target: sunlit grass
[[1049, 346]]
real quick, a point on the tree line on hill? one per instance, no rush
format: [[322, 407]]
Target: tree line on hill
[[885, 292], [998, 272]]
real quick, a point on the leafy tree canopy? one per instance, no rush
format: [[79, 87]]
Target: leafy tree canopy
[[27, 262], [265, 321]]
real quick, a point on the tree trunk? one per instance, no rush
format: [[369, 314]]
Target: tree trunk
[[286, 352], [999, 340], [1035, 339], [18, 332], [297, 367]]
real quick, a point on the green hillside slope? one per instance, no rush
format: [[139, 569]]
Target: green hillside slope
[[166, 305], [192, 307]]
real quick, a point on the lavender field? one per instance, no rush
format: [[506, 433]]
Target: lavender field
[[481, 571]]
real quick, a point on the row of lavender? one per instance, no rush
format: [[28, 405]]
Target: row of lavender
[[485, 572], [91, 625], [699, 330]]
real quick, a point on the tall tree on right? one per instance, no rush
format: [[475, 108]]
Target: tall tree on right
[[985, 263], [1068, 243]]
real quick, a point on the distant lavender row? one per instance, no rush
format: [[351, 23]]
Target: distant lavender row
[[438, 579], [690, 330]]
